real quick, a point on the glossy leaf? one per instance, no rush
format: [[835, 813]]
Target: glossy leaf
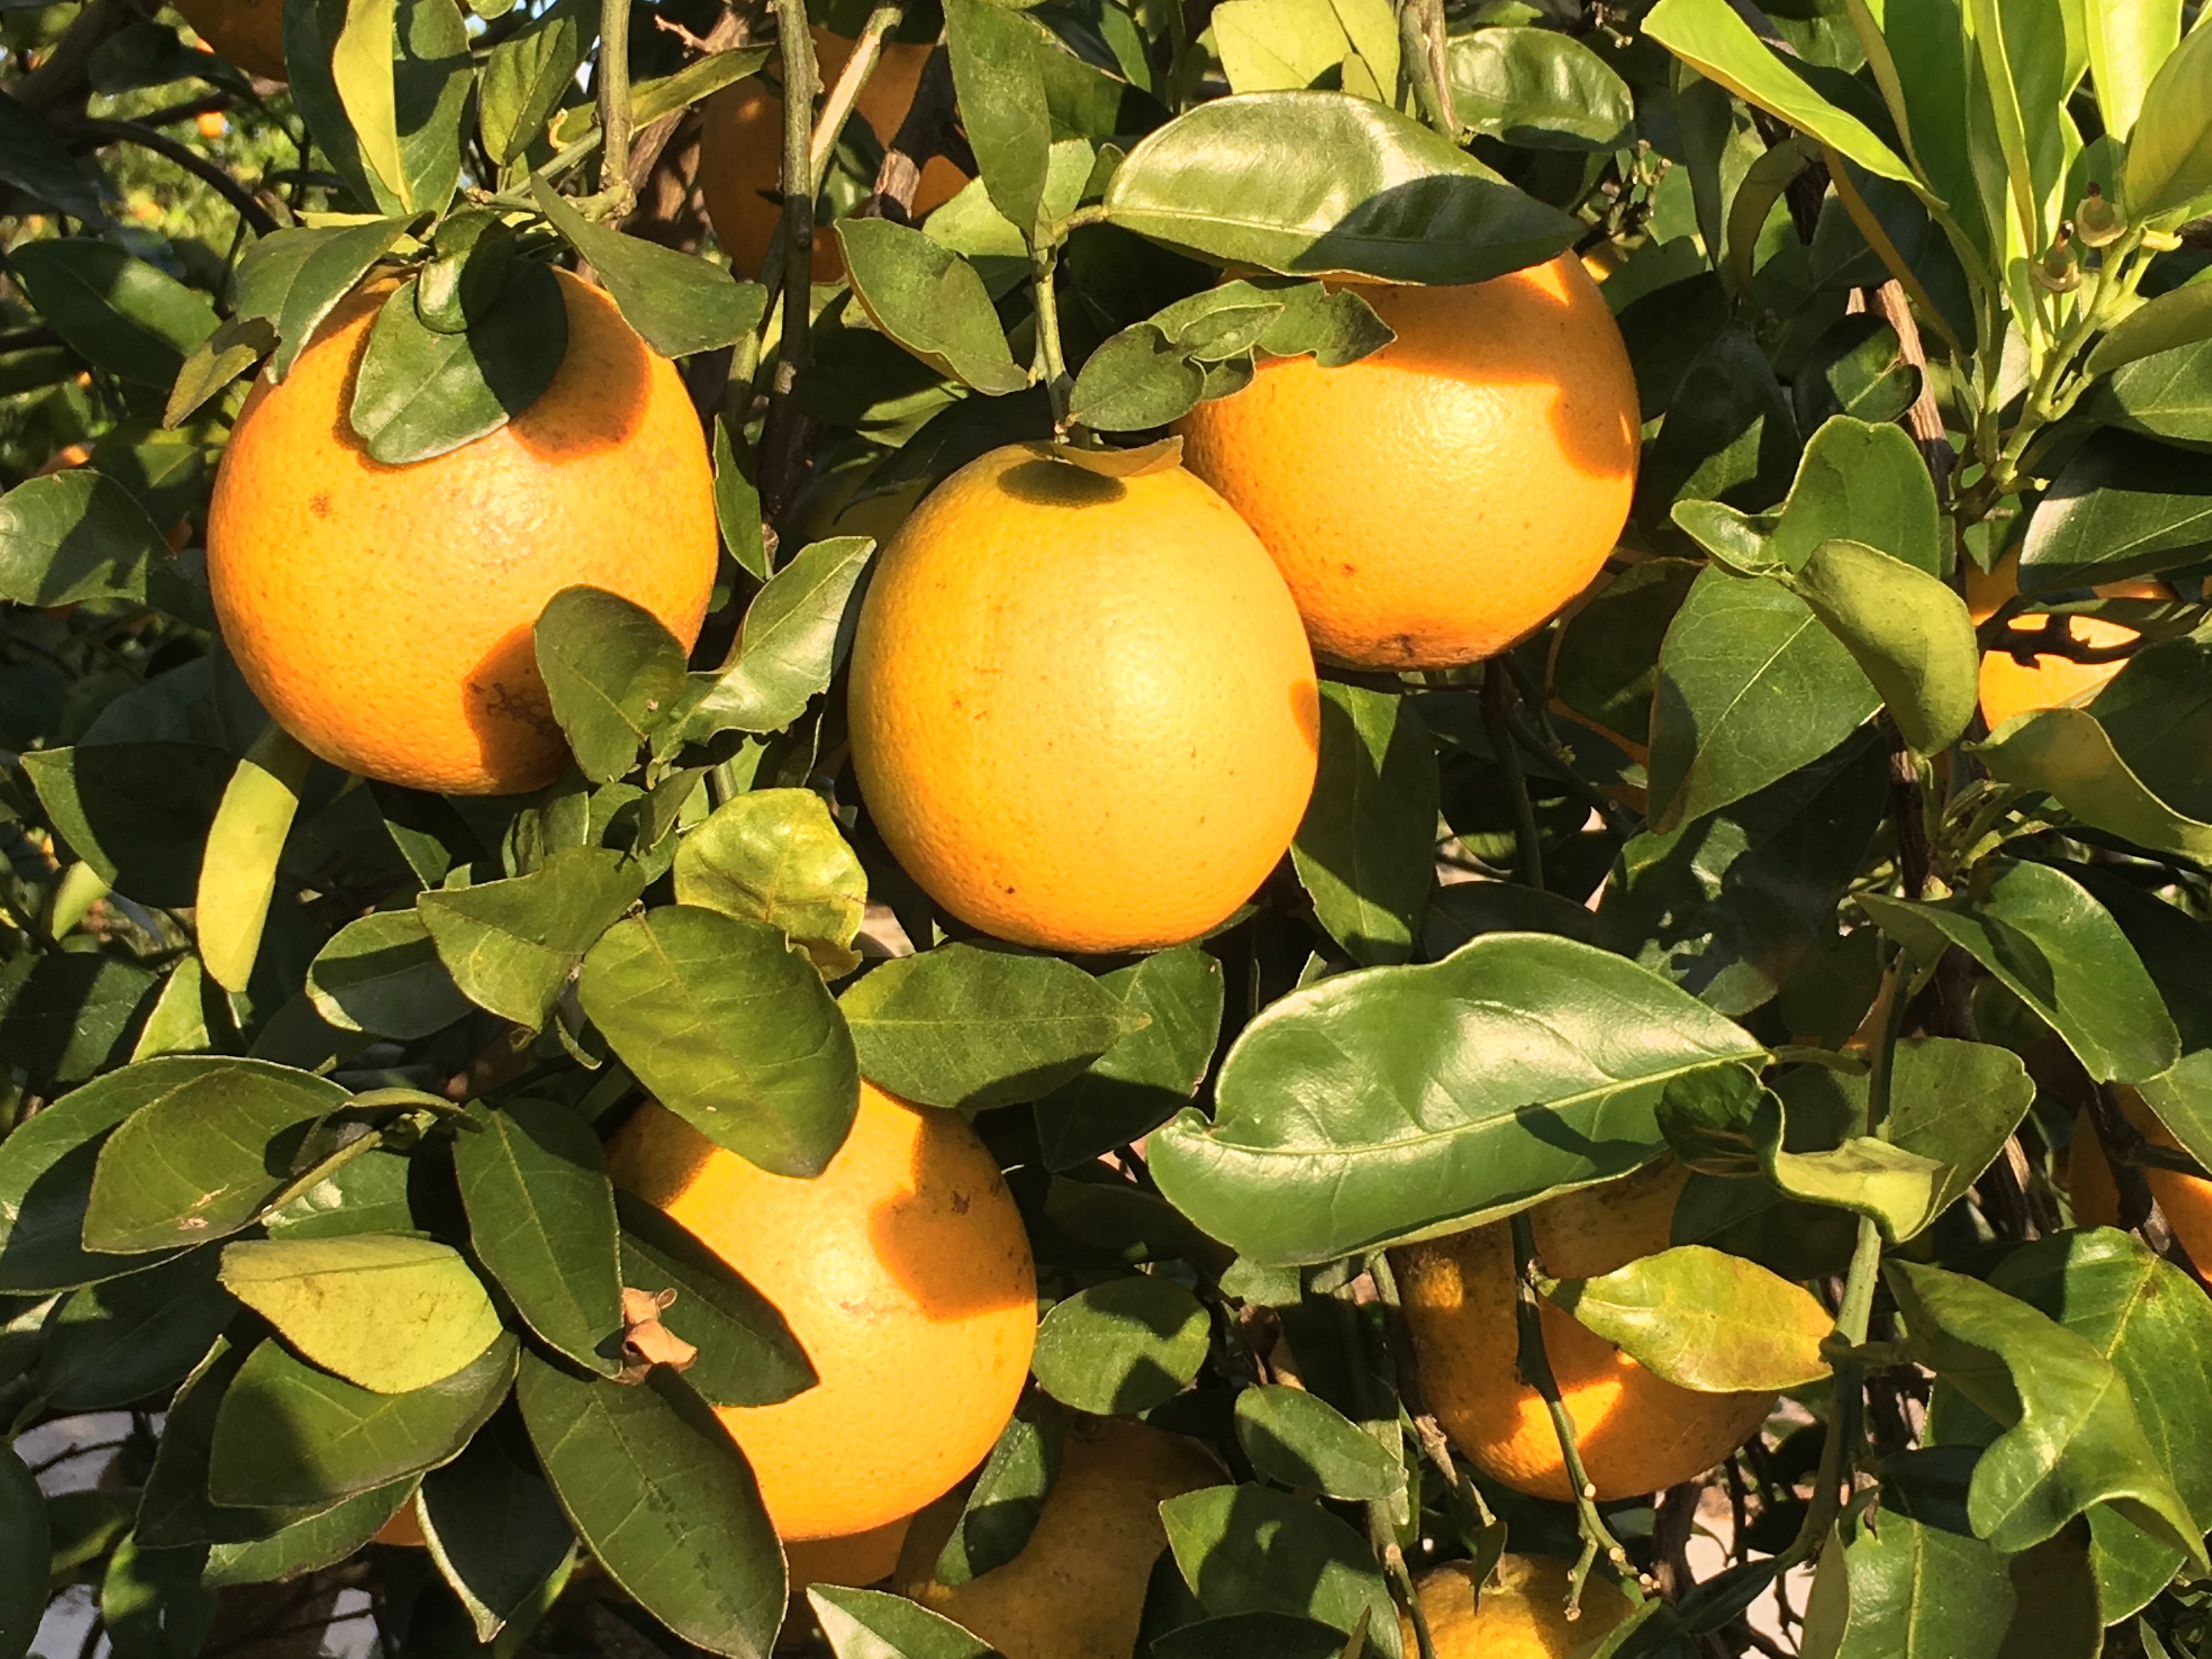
[[1730, 433], [663, 1500], [2169, 165], [208, 1146], [303, 280], [1301, 1440], [24, 1553], [1865, 1174], [1147, 1077], [400, 71], [75, 536], [1121, 1345], [237, 872], [1001, 1508], [865, 1624], [777, 856], [2179, 317], [1908, 632], [612, 672], [999, 82], [795, 634], [71, 1015], [316, 1540], [2127, 43], [419, 393], [2122, 505], [2157, 711], [2067, 753], [510, 945], [1704, 1320], [966, 1026], [382, 973], [1366, 850], [930, 300], [1246, 1549], [138, 812], [391, 1314], [747, 1354], [731, 1029], [1276, 46], [1956, 1103], [117, 313], [495, 1531], [2167, 395], [1402, 1101], [116, 1343], [679, 303], [1224, 181], [34, 160], [175, 1512], [525, 76], [542, 1219], [1137, 379], [1537, 89]]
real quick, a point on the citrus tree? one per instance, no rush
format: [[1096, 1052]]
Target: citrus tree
[[1107, 830]]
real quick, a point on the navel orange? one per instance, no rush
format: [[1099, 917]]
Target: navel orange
[[1520, 1613], [1636, 1432], [2185, 1200], [1433, 503], [249, 33], [1083, 713], [2010, 686], [383, 614], [741, 151], [904, 1271]]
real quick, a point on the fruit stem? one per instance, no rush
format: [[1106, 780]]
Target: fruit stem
[[1847, 1399], [611, 83], [1535, 1366], [866, 51], [1052, 365], [1497, 702]]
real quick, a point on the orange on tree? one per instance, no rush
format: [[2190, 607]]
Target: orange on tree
[[1077, 1589], [249, 33], [904, 1271], [1082, 713], [741, 151], [2010, 686], [1433, 503], [1520, 1612], [2186, 1199], [857, 1559], [383, 614], [1637, 1432]]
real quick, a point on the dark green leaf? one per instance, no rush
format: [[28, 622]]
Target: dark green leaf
[[175, 1512], [289, 1434], [295, 282], [777, 856], [115, 311], [1301, 1440], [1730, 433], [72, 1016], [2157, 713], [526, 75], [153, 1603], [1607, 660], [999, 81], [495, 1531], [236, 345], [319, 1540], [34, 160], [796, 633], [678, 302], [23, 1552], [663, 1498], [1122, 1346], [1538, 89], [116, 1343], [1856, 369], [1228, 181], [1336, 326], [138, 812], [1144, 1079], [612, 672], [930, 300], [2122, 505], [1366, 850], [418, 393], [72, 536], [1137, 378], [2069, 753], [747, 1354], [1246, 1549], [1251, 1636], [542, 1219], [863, 1624], [382, 973], [1002, 1507], [1394, 1102], [729, 1027], [1704, 1320], [389, 1313], [511, 945], [367, 1195], [965, 1026]]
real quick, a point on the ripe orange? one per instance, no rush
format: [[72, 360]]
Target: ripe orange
[[1077, 1591], [857, 1559], [904, 1271], [1636, 1432], [1083, 713], [2185, 1200], [741, 151], [382, 614], [1522, 1613], [1435, 502], [2010, 687], [249, 33]]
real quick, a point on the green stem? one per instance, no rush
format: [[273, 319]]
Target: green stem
[[1052, 365], [866, 51], [1896, 983], [1420, 35], [1497, 723], [1847, 1399], [1396, 1564], [612, 78], [783, 431]]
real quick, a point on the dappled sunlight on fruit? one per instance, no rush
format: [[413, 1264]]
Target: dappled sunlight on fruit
[[1520, 1612], [2185, 1200], [2010, 687]]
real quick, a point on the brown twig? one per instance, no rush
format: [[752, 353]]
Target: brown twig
[[2122, 1144], [1923, 420], [1671, 1527]]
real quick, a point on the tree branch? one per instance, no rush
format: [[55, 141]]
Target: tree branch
[[134, 133]]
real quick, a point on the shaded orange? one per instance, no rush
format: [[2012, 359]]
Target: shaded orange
[[249, 33], [2186, 1199], [1636, 1433], [1522, 1613], [905, 1273], [382, 614], [1082, 713], [1435, 502], [2010, 686], [741, 151], [858, 1559]]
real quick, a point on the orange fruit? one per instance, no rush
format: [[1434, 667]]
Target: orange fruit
[[249, 33], [213, 124], [1522, 1613], [1636, 1433], [741, 151], [2186, 1199], [1433, 503], [1077, 1591], [904, 1273], [382, 614], [404, 1530], [1083, 713], [858, 1559], [2011, 687]]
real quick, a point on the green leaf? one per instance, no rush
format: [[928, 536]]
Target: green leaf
[[399, 71], [1366, 850], [24, 1548], [2127, 43], [153, 1603], [795, 634], [1956, 1103], [35, 162], [731, 1029], [929, 300], [2057, 949], [1865, 1176], [419, 393], [2179, 317], [1538, 89], [1145, 1078], [1909, 633], [863, 1624], [360, 69], [747, 1354], [777, 856], [1857, 369], [1301, 1440], [2071, 1439], [389, 1313], [382, 973], [74, 536], [542, 1219], [679, 303], [1002, 1507], [1277, 45], [1606, 660], [2121, 506], [303, 279], [238, 871], [367, 1194], [1247, 1549], [309, 1544], [999, 81], [2066, 753], [1703, 1320], [1730, 432], [1228, 181], [510, 945], [138, 812], [117, 313], [236, 345], [1123, 1345], [72, 1016], [2167, 394], [1136, 379], [2169, 166], [1251, 1636], [663, 1498], [495, 1531], [175, 1512], [115, 1344], [612, 672], [525, 75], [969, 1027], [209, 1145], [1401, 1101]]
